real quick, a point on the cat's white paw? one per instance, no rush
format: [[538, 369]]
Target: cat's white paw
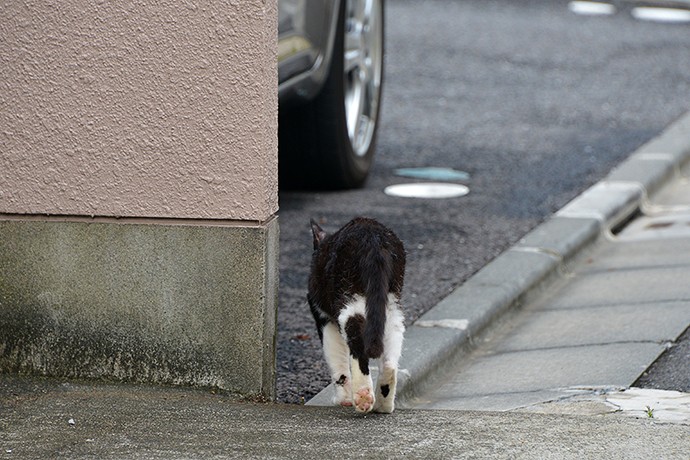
[[364, 400], [343, 394], [384, 405], [385, 391]]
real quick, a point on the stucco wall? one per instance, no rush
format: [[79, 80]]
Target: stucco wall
[[139, 109]]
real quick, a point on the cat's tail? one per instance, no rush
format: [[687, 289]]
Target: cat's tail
[[377, 269]]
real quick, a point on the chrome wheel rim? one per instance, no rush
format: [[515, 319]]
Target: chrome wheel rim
[[363, 65]]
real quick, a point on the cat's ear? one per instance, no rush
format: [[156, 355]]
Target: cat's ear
[[318, 234]]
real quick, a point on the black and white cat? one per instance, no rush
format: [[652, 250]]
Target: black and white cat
[[354, 294]]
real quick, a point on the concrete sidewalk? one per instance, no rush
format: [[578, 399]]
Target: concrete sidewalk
[[42, 419], [572, 313], [605, 319], [575, 343]]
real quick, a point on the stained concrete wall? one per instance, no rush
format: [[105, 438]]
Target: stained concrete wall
[[138, 191], [176, 304]]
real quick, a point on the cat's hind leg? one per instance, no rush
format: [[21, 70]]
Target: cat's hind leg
[[363, 387], [392, 348], [352, 320], [337, 356]]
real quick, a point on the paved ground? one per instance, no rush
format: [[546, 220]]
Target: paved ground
[[601, 326], [44, 419], [608, 317], [534, 102], [664, 372], [571, 316]]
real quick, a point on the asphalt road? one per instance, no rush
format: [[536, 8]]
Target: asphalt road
[[535, 102]]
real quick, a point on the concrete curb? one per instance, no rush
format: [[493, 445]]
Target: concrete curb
[[446, 332]]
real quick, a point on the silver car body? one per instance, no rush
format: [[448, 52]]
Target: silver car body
[[306, 32]]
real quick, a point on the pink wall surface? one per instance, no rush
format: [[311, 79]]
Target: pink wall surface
[[139, 109]]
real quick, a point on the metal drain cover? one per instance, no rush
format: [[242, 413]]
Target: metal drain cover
[[591, 8], [427, 190], [433, 173]]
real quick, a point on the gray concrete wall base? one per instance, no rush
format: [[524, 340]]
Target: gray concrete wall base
[[170, 304]]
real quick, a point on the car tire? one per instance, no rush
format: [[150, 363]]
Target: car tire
[[329, 143]]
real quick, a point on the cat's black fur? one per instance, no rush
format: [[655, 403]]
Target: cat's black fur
[[363, 258]]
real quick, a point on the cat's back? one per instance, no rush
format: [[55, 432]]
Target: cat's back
[[363, 234], [346, 261]]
